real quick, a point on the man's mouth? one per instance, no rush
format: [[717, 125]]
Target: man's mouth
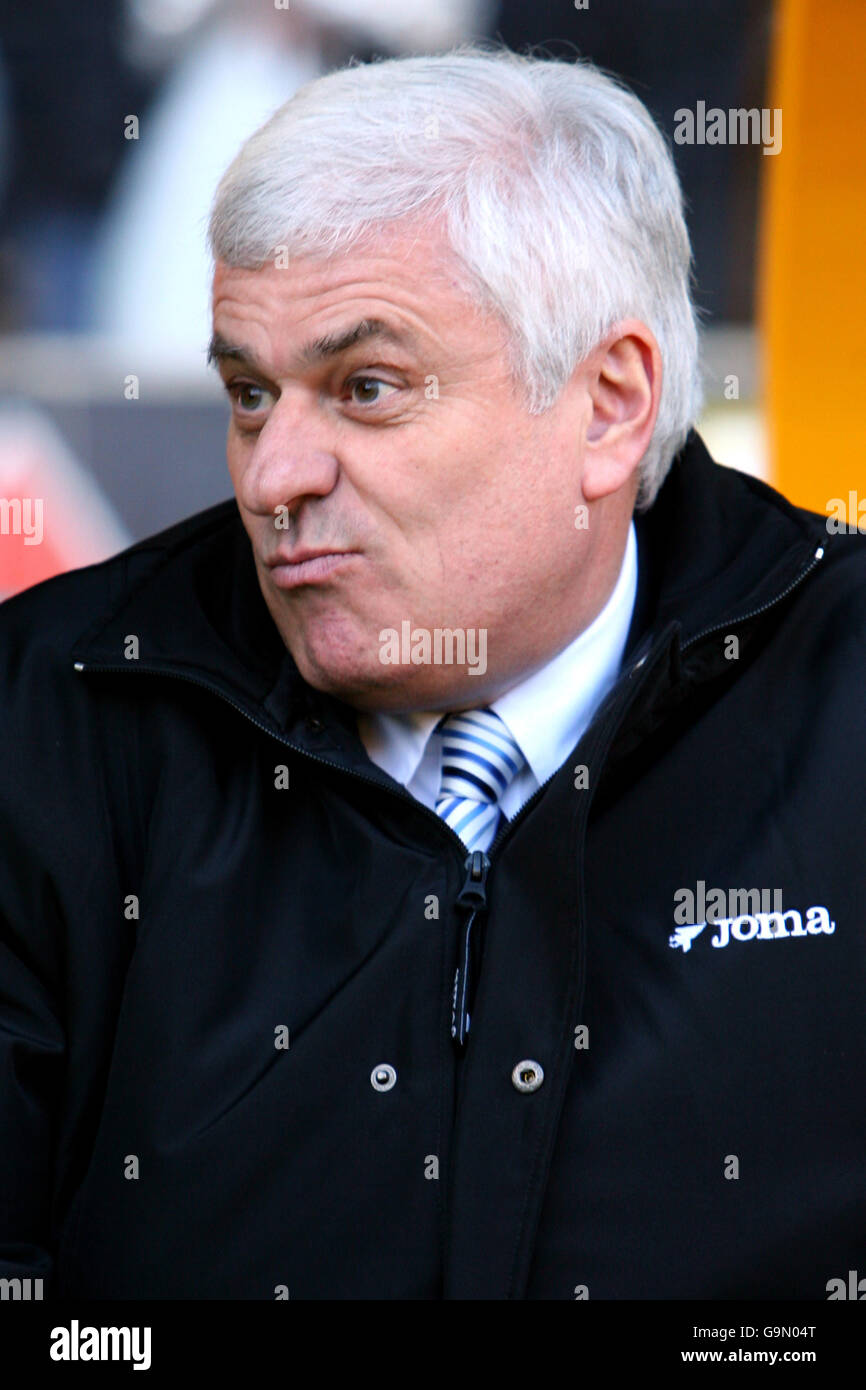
[[307, 566]]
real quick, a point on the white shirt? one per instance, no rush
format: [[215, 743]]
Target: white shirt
[[546, 713]]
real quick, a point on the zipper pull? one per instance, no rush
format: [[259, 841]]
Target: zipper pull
[[473, 895]]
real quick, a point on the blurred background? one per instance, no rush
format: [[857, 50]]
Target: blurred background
[[118, 117]]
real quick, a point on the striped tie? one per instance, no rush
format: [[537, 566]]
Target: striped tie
[[479, 759]]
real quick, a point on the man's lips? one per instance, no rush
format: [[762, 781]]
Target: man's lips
[[306, 566], [300, 556]]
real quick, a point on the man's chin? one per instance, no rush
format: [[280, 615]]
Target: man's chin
[[334, 657], [393, 689]]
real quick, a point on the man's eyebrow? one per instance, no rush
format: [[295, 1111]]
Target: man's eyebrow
[[334, 343], [331, 345], [221, 350]]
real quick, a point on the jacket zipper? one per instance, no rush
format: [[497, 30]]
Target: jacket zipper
[[473, 895], [771, 603]]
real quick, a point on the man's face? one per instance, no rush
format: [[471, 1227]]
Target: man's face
[[411, 452]]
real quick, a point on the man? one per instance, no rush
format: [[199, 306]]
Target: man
[[436, 872]]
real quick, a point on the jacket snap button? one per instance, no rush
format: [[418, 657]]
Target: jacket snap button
[[527, 1076], [383, 1077], [315, 725]]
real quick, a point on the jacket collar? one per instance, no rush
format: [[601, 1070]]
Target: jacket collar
[[715, 546]]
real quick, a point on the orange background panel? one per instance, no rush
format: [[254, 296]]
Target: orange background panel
[[812, 274]]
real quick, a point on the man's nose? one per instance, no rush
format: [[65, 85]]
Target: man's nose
[[293, 457]]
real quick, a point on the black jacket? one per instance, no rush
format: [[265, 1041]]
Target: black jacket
[[173, 915]]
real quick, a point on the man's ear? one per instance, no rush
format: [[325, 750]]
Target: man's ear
[[624, 386]]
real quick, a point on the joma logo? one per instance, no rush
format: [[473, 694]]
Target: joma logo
[[763, 926]]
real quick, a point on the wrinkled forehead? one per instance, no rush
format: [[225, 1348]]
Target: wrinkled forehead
[[404, 287]]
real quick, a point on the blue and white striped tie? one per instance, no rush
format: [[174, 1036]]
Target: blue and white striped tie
[[479, 760]]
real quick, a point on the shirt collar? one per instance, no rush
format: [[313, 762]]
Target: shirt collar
[[549, 710]]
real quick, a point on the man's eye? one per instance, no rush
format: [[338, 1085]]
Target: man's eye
[[247, 396], [364, 383]]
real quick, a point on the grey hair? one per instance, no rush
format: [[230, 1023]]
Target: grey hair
[[558, 194]]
